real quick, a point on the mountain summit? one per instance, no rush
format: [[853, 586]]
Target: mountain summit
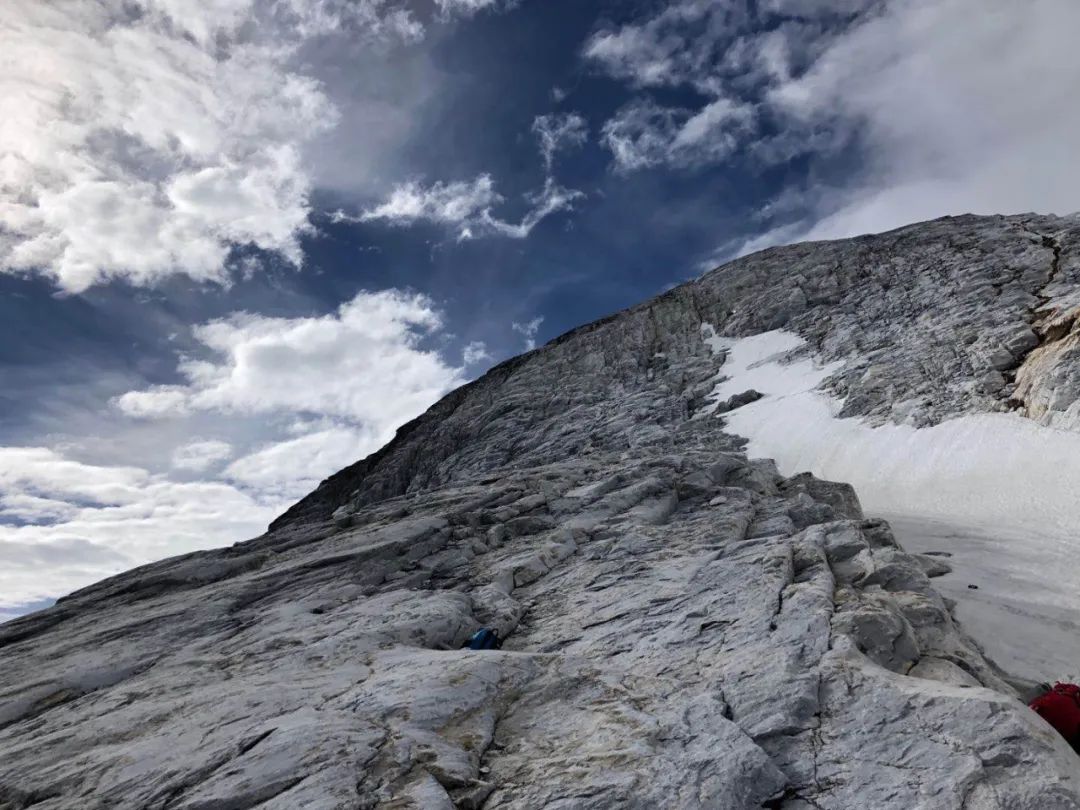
[[685, 625]]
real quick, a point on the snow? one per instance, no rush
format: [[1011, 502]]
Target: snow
[[754, 362], [1024, 611], [715, 343], [996, 489]]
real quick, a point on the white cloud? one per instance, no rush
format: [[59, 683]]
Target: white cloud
[[921, 107], [466, 207], [442, 203], [363, 363], [81, 522], [346, 380], [294, 467], [955, 109], [143, 139], [467, 8], [335, 388], [201, 455], [528, 330], [557, 131], [644, 134], [27, 508], [675, 46], [475, 352]]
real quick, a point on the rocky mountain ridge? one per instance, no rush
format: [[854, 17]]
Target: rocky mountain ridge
[[685, 626]]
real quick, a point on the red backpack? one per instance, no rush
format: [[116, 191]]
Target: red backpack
[[1060, 707]]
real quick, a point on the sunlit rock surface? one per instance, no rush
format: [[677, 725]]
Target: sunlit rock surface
[[685, 627]]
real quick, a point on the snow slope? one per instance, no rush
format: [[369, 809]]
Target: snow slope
[[997, 490]]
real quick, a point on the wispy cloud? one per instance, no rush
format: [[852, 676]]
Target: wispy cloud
[[467, 8], [466, 207], [558, 131], [645, 134], [201, 455], [475, 352], [294, 467], [528, 331], [920, 108], [443, 203]]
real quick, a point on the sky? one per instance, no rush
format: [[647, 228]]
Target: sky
[[242, 241]]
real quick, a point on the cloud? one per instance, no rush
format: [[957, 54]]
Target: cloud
[[528, 330], [144, 142], [295, 467], [475, 352], [346, 381], [467, 8], [323, 390], [442, 203], [364, 363], [201, 455], [953, 114], [680, 44], [644, 134], [466, 207], [902, 111], [691, 43], [557, 131], [149, 138], [75, 523]]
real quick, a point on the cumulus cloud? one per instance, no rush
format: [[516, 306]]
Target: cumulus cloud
[[364, 363], [346, 380], [528, 331], [67, 524], [134, 145], [148, 138], [558, 131], [918, 109], [466, 207], [201, 455], [326, 390]]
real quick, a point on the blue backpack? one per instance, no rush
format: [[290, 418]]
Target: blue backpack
[[484, 639]]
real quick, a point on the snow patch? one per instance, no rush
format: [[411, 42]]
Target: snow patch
[[716, 344], [757, 362], [991, 470], [996, 490]]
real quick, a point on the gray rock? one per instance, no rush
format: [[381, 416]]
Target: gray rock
[[684, 626], [737, 401]]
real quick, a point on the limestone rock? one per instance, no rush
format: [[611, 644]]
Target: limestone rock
[[685, 627]]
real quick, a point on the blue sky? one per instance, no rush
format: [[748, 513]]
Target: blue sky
[[242, 240]]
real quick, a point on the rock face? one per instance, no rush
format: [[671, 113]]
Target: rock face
[[685, 627]]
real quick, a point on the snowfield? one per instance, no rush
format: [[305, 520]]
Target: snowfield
[[997, 491]]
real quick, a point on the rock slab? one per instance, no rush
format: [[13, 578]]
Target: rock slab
[[684, 626]]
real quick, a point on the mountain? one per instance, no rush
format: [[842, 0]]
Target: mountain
[[685, 626]]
